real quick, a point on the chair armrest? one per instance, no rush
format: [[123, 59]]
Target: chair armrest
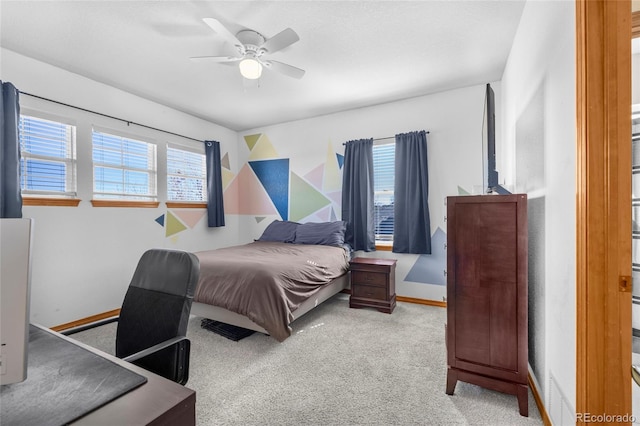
[[78, 329], [154, 348]]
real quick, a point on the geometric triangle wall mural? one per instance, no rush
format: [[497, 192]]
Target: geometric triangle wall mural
[[173, 225], [429, 268], [340, 158], [225, 161], [314, 177], [322, 215], [462, 191], [160, 220], [305, 199], [335, 196], [251, 140], [190, 217], [263, 149], [332, 179], [227, 177], [245, 195], [274, 176]]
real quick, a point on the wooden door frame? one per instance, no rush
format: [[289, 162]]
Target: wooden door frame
[[603, 209]]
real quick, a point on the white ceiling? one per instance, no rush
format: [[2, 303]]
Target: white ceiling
[[355, 53]]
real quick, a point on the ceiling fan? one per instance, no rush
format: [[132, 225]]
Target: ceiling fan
[[252, 47]]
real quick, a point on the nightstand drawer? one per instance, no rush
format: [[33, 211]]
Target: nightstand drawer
[[369, 292], [369, 278]]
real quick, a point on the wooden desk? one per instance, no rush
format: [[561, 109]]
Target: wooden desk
[[157, 402]]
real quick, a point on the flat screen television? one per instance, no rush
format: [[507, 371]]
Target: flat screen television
[[489, 171], [16, 241]]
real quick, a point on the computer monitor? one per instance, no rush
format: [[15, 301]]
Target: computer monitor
[[16, 241]]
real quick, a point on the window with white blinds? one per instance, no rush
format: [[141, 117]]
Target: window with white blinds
[[123, 168], [383, 186], [47, 157], [186, 175]]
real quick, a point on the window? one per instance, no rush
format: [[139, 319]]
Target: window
[[123, 168], [48, 157], [383, 185], [186, 175]]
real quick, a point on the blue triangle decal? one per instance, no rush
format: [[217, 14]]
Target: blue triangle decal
[[160, 220], [274, 177], [340, 158], [429, 268]]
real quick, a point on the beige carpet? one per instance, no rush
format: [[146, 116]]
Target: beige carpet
[[341, 366]]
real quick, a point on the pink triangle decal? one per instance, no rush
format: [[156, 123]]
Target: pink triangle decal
[[190, 217], [254, 199], [336, 196], [314, 177], [324, 214]]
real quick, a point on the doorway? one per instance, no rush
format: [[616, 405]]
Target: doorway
[[603, 206], [635, 215]]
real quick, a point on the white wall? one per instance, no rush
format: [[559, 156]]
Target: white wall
[[84, 257], [542, 60], [454, 120]]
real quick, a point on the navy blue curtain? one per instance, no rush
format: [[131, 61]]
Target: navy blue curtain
[[215, 204], [10, 195], [412, 227], [357, 195]]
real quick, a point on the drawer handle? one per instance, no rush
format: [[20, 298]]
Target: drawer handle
[[369, 278]]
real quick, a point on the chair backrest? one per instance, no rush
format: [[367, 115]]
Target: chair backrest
[[156, 308]]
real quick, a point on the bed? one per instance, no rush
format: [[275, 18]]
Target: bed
[[266, 284]]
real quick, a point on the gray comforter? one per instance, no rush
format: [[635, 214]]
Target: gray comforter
[[267, 281]]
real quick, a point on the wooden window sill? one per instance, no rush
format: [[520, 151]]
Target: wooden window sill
[[123, 203], [185, 205], [51, 202], [384, 246]]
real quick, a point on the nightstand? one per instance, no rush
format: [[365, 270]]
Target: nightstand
[[373, 284]]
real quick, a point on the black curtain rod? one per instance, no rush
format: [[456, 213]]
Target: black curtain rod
[[381, 139], [390, 137], [110, 116]]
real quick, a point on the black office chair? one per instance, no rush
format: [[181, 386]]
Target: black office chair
[[155, 312]]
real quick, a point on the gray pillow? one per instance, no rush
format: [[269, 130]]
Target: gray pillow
[[323, 233], [280, 231]]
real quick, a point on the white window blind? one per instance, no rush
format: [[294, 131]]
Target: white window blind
[[123, 168], [383, 186], [47, 157], [186, 175]]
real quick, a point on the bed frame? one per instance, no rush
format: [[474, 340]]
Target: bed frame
[[217, 313]]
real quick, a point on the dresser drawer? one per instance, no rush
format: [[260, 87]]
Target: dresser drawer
[[369, 292], [369, 278]]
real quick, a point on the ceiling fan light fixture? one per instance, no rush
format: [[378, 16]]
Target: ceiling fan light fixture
[[250, 68]]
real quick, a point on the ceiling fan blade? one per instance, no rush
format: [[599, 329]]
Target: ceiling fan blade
[[225, 33], [215, 58], [285, 69], [279, 41]]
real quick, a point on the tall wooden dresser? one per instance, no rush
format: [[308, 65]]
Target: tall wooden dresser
[[487, 342]]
